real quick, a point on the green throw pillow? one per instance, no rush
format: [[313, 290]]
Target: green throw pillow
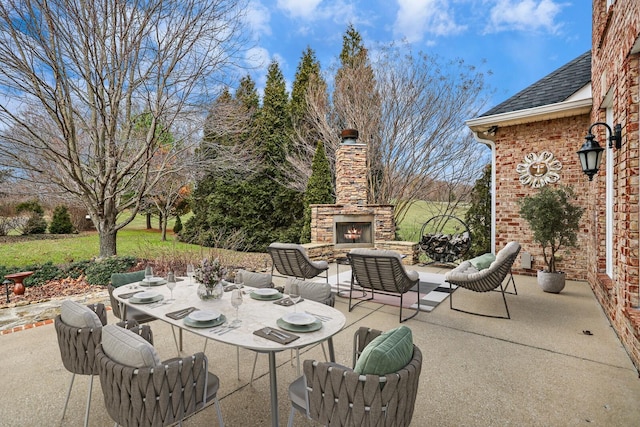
[[483, 261], [388, 353]]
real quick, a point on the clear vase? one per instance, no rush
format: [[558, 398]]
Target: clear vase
[[210, 293]]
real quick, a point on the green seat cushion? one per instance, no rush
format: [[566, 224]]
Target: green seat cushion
[[121, 279], [483, 261], [388, 353]]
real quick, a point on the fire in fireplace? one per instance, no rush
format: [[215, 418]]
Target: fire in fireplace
[[355, 231]]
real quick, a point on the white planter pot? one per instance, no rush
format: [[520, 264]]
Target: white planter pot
[[551, 282]]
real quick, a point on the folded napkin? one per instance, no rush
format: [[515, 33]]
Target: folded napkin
[[287, 301], [180, 314], [277, 336], [128, 294]]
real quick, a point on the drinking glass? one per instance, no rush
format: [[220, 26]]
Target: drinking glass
[[190, 273], [294, 295], [148, 274], [171, 283], [236, 302]]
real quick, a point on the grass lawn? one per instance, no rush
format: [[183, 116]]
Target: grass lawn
[[137, 241]]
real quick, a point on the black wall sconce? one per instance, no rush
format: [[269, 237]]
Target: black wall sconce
[[591, 152]]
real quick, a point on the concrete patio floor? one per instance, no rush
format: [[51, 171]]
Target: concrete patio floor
[[536, 369]]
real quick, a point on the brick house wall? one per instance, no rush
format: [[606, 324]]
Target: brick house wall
[[615, 71], [561, 137]]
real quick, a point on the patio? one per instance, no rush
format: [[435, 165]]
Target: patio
[[539, 368]]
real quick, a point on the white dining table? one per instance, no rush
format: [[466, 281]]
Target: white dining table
[[254, 315]]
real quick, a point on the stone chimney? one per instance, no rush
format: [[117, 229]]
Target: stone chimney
[[351, 170]]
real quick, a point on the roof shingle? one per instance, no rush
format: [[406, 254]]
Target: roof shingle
[[555, 87]]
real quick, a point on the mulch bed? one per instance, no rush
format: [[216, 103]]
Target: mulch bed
[[48, 291]]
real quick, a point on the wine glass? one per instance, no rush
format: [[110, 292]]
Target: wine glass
[[294, 295], [190, 273], [236, 302], [148, 274], [171, 283]]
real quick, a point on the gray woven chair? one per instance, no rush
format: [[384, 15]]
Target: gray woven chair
[[468, 277], [77, 348], [338, 396], [379, 271], [291, 260], [159, 395], [129, 313]]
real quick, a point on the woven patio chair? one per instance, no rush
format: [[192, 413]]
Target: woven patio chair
[[78, 342], [379, 271], [145, 391], [335, 395], [468, 277], [128, 313], [291, 260]]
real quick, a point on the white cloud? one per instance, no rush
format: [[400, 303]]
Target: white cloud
[[299, 8], [524, 15], [258, 18], [417, 17], [258, 58]]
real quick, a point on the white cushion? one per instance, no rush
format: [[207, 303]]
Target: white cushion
[[79, 316], [315, 291], [256, 280], [128, 348]]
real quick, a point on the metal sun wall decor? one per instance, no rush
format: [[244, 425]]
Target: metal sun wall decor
[[539, 170]]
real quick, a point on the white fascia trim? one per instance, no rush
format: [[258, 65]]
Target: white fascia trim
[[560, 109]]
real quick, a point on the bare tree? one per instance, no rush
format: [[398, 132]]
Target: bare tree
[[76, 77], [414, 125]]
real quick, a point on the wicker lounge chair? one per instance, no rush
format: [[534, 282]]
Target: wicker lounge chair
[[338, 396], [467, 276], [128, 313], [291, 260], [382, 272]]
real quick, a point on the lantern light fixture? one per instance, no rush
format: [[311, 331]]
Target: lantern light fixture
[[590, 153]]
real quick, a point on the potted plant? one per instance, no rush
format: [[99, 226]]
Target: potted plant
[[554, 221]]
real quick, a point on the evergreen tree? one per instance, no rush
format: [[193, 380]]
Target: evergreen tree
[[357, 103], [319, 189], [478, 217], [61, 221]]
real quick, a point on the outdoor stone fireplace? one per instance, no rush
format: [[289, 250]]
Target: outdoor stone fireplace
[[351, 222]]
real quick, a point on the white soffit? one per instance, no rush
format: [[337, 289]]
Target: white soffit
[[578, 103]]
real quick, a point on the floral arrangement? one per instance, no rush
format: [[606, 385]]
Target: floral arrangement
[[209, 272]]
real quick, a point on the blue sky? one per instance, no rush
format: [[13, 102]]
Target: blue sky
[[519, 41]]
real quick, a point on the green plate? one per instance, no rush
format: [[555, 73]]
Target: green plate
[[299, 328], [211, 323], [265, 297], [134, 300]]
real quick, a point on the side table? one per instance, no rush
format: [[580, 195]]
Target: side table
[[344, 294]]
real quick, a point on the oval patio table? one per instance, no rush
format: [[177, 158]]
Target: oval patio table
[[256, 314]]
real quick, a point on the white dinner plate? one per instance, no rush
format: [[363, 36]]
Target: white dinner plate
[[146, 295], [153, 280], [265, 291], [204, 315], [299, 318]]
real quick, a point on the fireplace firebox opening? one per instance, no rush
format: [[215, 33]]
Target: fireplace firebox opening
[[353, 231]]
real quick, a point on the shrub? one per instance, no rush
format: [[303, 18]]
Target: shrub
[[61, 221], [36, 224], [99, 272], [177, 227]]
